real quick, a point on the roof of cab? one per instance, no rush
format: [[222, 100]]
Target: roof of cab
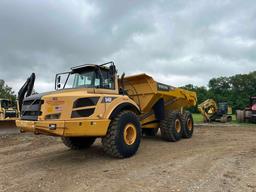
[[81, 68]]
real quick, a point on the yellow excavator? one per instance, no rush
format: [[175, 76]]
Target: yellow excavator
[[9, 112], [213, 112]]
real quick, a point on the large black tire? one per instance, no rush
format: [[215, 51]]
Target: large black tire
[[171, 126], [123, 135], [150, 132], [224, 119], [77, 143], [229, 118], [240, 116], [187, 124]]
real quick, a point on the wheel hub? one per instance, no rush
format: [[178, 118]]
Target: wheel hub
[[189, 124], [130, 134], [177, 125]]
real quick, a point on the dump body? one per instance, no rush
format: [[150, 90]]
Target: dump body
[[145, 91], [148, 93]]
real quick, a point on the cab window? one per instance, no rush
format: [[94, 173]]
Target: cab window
[[94, 79], [107, 80], [85, 79]]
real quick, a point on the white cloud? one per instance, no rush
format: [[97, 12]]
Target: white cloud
[[178, 42]]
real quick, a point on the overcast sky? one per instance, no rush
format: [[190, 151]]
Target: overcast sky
[[176, 41]]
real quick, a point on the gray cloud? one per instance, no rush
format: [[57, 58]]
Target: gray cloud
[[178, 42]]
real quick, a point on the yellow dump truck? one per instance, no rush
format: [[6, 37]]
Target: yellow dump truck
[[92, 101]]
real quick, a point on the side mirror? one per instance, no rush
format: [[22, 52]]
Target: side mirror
[[58, 86], [58, 83], [58, 79]]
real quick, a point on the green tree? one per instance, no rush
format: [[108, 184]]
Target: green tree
[[235, 90], [243, 86], [220, 89], [6, 92], [202, 94]]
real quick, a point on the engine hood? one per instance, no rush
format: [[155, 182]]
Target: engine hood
[[59, 93], [65, 93], [53, 102]]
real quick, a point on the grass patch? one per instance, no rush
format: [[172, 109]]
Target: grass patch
[[198, 118]]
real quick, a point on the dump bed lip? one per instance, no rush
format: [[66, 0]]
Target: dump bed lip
[[141, 75], [161, 89], [137, 75]]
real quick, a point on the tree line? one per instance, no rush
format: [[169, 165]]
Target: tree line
[[235, 90], [6, 92]]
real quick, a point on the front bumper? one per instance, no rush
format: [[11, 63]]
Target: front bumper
[[74, 128]]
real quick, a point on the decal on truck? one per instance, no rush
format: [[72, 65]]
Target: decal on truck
[[164, 87]]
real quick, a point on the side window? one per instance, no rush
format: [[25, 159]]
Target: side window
[[107, 81], [97, 82], [5, 104]]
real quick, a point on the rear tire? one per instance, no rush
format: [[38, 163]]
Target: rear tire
[[224, 119], [150, 132], [229, 118], [240, 117], [187, 124], [123, 135], [77, 143], [171, 126]]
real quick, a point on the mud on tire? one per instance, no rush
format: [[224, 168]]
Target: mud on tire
[[171, 126], [123, 135], [77, 143]]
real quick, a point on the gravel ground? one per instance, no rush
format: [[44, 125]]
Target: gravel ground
[[215, 159]]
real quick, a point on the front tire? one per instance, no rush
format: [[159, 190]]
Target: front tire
[[77, 143], [123, 135]]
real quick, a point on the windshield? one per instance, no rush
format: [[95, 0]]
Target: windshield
[[90, 79], [85, 79]]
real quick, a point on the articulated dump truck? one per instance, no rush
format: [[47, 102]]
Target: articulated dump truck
[[93, 102]]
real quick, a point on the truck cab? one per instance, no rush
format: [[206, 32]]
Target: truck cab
[[93, 78], [86, 96]]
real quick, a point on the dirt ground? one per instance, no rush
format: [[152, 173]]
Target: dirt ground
[[215, 159]]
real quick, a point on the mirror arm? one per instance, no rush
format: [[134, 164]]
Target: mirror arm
[[58, 75], [56, 81], [66, 81]]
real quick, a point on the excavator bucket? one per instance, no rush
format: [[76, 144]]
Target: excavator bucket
[[6, 124]]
